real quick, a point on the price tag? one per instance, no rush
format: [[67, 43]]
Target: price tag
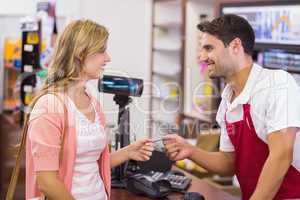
[[28, 47], [28, 68], [28, 88]]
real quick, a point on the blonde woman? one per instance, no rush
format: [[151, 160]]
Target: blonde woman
[[82, 171]]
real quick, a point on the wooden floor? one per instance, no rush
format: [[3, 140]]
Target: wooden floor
[[10, 134]]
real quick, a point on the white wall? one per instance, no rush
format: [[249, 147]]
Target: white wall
[[27, 7], [129, 24]]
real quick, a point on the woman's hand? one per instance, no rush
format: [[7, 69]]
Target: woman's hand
[[140, 150]]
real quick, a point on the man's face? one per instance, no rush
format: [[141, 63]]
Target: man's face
[[212, 52]]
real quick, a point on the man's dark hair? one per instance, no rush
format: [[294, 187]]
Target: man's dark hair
[[228, 27]]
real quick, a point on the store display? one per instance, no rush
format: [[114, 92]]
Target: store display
[[36, 48], [12, 53], [200, 92], [277, 23], [277, 31], [12, 66], [31, 35], [280, 58], [46, 14]]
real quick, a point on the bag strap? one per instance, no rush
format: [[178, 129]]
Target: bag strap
[[15, 174]]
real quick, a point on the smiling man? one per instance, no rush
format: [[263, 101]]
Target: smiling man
[[259, 116]]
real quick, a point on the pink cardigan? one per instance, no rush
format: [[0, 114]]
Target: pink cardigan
[[43, 144]]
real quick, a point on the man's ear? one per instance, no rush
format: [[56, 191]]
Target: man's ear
[[236, 45]]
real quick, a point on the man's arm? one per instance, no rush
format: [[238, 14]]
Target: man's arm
[[218, 162], [281, 145]]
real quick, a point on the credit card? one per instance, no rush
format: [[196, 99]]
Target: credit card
[[157, 140]]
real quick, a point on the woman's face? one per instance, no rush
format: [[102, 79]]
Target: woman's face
[[94, 65]]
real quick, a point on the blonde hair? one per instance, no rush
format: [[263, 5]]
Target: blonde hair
[[80, 39]]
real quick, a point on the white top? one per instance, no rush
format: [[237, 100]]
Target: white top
[[273, 96], [91, 140]]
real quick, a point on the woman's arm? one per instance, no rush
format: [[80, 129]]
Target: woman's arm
[[140, 150], [44, 135], [51, 186]]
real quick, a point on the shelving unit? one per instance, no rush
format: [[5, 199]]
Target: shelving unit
[[167, 61], [290, 69], [202, 95], [12, 71], [279, 59], [11, 102], [200, 92], [10, 61], [175, 72]]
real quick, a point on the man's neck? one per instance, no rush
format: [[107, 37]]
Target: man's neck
[[238, 80]]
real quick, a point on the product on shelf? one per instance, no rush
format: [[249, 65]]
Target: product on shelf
[[280, 59], [12, 53]]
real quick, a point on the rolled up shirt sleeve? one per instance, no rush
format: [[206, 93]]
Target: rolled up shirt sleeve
[[283, 108]]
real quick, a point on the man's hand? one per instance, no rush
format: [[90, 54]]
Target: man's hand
[[140, 150], [217, 162], [176, 147]]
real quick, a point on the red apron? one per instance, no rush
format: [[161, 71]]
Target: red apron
[[250, 155]]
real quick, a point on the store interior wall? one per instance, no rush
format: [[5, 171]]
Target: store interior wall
[[20, 7], [129, 24]]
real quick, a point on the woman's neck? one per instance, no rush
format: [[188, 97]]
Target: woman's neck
[[77, 90], [77, 93]]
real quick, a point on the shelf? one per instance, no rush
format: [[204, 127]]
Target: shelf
[[11, 119], [12, 67], [158, 121], [11, 105], [199, 116], [174, 25], [167, 76], [167, 62], [173, 99], [168, 3], [168, 49], [167, 44], [165, 1], [161, 121], [288, 69]]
